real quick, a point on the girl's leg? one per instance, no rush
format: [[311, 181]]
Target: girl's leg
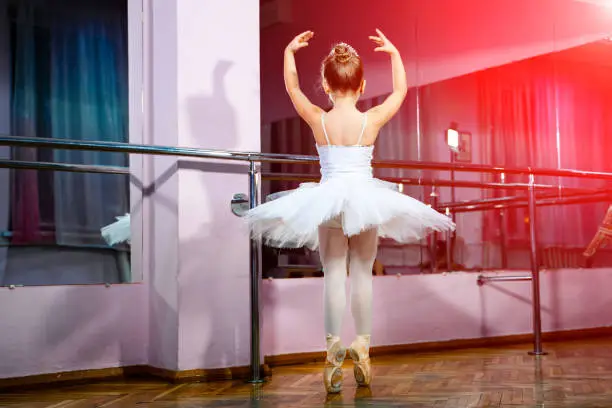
[[362, 253], [333, 249]]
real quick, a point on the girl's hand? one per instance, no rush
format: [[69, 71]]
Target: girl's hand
[[300, 41], [383, 43]]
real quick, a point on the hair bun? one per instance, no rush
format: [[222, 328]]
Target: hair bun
[[342, 53]]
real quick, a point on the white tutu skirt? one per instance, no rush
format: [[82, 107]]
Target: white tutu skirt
[[355, 204]]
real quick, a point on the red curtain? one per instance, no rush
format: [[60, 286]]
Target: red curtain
[[546, 112]]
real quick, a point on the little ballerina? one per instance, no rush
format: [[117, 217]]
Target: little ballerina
[[344, 214]]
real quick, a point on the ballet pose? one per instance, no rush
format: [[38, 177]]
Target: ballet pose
[[344, 214]]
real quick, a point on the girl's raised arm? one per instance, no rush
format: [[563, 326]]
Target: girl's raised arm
[[306, 109], [381, 114]]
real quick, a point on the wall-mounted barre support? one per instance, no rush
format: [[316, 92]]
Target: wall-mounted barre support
[[482, 279], [535, 271], [255, 281]]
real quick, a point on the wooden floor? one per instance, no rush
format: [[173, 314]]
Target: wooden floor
[[574, 374]]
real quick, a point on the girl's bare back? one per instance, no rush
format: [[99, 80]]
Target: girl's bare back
[[344, 128]]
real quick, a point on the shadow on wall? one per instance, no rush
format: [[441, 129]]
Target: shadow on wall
[[214, 114], [213, 281]]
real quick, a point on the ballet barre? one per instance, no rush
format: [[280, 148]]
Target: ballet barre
[[563, 195], [118, 147], [75, 168]]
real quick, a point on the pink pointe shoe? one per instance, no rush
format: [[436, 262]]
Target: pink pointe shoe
[[332, 374], [360, 353]]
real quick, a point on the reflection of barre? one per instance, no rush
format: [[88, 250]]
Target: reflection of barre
[[603, 234], [117, 232]]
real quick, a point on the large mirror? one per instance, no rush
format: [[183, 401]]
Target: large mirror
[[68, 71], [534, 97]]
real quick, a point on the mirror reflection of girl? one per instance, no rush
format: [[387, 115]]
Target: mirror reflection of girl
[[345, 214]]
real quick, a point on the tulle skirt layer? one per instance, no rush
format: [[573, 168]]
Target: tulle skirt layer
[[355, 204]]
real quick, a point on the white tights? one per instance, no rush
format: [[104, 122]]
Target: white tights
[[358, 252]]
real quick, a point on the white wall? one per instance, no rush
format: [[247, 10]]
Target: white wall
[[50, 329], [204, 93], [160, 246], [218, 108]]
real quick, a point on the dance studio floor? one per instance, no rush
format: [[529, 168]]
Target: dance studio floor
[[574, 374]]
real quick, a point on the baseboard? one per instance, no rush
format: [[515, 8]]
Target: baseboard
[[61, 377], [198, 375], [86, 376], [515, 339], [242, 373]]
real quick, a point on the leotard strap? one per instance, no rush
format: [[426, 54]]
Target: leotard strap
[[324, 131], [363, 127]]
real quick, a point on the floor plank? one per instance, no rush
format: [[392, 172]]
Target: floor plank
[[574, 374]]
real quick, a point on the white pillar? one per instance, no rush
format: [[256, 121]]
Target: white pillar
[[218, 108], [160, 224]]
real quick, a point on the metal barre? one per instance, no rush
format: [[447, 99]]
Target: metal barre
[[542, 202], [75, 168], [569, 196], [431, 182], [117, 147], [565, 195]]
